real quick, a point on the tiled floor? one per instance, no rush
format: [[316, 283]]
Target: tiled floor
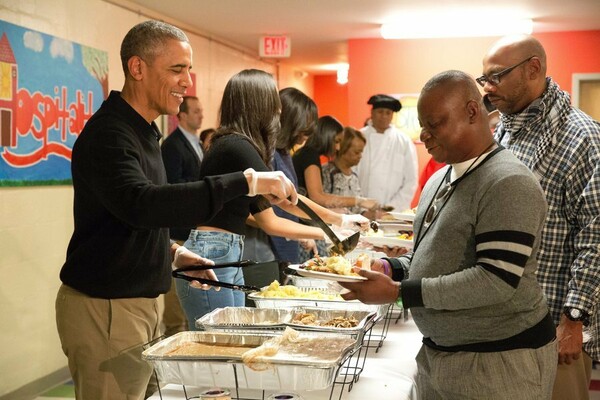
[[62, 392]]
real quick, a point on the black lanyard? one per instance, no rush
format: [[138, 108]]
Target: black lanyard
[[454, 185]]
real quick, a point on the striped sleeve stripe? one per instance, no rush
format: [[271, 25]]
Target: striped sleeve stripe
[[516, 247], [514, 269], [517, 237], [504, 253], [507, 277], [505, 256]]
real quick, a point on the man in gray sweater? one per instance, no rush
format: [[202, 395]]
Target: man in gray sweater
[[469, 281]]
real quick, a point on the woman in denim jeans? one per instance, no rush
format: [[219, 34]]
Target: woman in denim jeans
[[249, 118]]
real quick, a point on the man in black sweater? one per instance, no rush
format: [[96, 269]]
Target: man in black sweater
[[118, 259]]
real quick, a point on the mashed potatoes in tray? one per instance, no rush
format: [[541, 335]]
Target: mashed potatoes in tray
[[275, 290]]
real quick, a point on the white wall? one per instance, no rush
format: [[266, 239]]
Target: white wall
[[36, 223]]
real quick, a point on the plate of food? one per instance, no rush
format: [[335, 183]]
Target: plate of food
[[406, 215], [393, 227], [404, 240], [335, 268]]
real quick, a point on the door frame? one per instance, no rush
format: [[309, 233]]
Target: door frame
[[577, 79]]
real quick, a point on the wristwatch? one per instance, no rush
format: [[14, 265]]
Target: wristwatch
[[575, 314]]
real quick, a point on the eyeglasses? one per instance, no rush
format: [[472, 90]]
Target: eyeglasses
[[438, 202], [494, 79]]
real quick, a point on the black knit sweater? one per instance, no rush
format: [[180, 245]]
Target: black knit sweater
[[123, 206]]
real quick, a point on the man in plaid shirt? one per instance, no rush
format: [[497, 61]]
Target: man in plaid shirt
[[561, 145]]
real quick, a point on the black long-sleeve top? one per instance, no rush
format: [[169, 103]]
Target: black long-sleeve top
[[229, 153], [123, 206]]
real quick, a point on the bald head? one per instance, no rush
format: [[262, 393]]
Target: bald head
[[518, 48], [514, 73], [453, 118]]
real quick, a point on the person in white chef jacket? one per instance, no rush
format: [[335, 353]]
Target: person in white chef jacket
[[388, 170]]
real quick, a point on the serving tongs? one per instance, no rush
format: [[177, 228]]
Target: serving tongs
[[180, 273], [340, 247]]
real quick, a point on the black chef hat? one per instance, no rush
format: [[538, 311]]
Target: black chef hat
[[385, 101]]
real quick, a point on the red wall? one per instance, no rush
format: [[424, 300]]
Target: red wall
[[403, 66], [570, 53], [331, 97]]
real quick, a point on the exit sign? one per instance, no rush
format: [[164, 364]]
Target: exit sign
[[275, 46]]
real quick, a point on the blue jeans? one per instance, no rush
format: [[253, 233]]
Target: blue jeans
[[221, 247]]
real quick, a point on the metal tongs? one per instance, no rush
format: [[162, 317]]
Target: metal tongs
[[340, 247], [179, 273]]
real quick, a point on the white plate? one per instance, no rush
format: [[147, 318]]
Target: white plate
[[394, 226], [390, 241], [403, 216], [325, 275]]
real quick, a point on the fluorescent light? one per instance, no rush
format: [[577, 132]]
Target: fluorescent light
[[454, 26], [342, 74]]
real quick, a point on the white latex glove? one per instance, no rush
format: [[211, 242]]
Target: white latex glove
[[352, 221], [184, 257], [367, 203], [328, 240], [274, 185]]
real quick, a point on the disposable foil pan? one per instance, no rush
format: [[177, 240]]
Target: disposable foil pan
[[234, 319], [353, 305], [288, 370], [274, 320], [324, 315]]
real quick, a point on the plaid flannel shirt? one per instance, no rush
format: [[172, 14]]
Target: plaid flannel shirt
[[561, 145]]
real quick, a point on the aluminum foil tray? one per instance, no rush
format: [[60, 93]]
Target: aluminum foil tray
[[274, 320], [247, 319], [354, 305], [324, 315], [288, 370]]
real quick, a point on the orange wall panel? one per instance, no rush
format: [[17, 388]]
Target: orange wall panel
[[403, 67], [331, 97], [571, 53]]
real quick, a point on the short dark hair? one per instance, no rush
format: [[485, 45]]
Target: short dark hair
[[250, 107], [323, 140], [183, 108], [457, 79], [146, 39], [298, 115]]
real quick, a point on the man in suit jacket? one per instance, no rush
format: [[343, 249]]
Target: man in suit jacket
[[182, 154]]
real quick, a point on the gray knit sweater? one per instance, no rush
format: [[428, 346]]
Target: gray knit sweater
[[471, 278]]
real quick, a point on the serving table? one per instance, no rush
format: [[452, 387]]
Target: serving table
[[387, 373]]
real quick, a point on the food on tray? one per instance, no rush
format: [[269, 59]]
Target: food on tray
[[372, 233], [305, 319], [387, 217], [292, 344], [268, 349], [292, 292], [337, 264], [337, 322], [406, 236], [208, 350], [342, 322]]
